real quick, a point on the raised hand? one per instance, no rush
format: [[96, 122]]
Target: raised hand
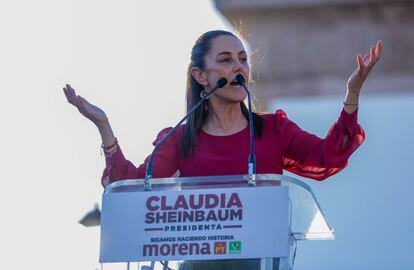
[[90, 111], [365, 65]]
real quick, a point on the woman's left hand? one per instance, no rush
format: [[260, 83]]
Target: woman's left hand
[[365, 65]]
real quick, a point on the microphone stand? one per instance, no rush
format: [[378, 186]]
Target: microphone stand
[[252, 158], [150, 167]]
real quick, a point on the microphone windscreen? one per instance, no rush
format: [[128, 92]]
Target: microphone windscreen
[[240, 79], [222, 82]]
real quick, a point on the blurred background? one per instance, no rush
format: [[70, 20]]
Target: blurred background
[[130, 58]]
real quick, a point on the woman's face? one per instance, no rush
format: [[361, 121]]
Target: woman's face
[[227, 58]]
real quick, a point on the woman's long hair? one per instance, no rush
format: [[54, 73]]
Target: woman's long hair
[[199, 117]]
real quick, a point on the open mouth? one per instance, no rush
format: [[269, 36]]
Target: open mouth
[[234, 83]]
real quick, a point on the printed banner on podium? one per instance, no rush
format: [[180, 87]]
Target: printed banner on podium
[[207, 224]]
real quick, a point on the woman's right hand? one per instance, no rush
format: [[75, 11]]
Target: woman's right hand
[[90, 111]]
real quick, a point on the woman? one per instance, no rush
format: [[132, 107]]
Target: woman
[[215, 139]]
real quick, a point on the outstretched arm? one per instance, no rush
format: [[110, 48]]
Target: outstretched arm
[[357, 78], [94, 114]]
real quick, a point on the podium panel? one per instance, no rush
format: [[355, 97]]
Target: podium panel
[[221, 222]]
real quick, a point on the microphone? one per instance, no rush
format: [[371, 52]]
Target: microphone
[[252, 158], [150, 167]]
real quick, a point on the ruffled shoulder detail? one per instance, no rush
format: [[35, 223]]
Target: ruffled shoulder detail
[[175, 137], [280, 114], [161, 135]]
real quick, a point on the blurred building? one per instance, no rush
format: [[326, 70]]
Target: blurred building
[[309, 47]]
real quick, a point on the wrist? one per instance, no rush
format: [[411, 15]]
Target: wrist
[[351, 97], [111, 148], [107, 135], [350, 107], [351, 101]]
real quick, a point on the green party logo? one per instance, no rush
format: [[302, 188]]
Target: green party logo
[[235, 247]]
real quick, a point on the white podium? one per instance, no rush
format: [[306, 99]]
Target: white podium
[[217, 222]]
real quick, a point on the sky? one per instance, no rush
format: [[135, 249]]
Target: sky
[[130, 58]]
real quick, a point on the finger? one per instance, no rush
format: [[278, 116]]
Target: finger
[[371, 56], [360, 61], [362, 66], [69, 96], [378, 49], [73, 95], [366, 58], [70, 90], [69, 87]]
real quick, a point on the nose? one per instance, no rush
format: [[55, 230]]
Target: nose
[[238, 66]]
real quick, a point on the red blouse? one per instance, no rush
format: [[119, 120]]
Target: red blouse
[[283, 145]]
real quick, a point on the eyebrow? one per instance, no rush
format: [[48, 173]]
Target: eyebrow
[[225, 53]]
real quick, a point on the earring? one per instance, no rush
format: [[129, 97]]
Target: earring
[[203, 94]]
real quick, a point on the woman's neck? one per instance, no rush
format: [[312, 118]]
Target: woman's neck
[[225, 119]]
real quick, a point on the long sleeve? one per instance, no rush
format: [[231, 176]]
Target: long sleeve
[[165, 162], [310, 156]]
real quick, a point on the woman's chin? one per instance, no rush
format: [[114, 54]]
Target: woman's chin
[[238, 92], [232, 93]]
